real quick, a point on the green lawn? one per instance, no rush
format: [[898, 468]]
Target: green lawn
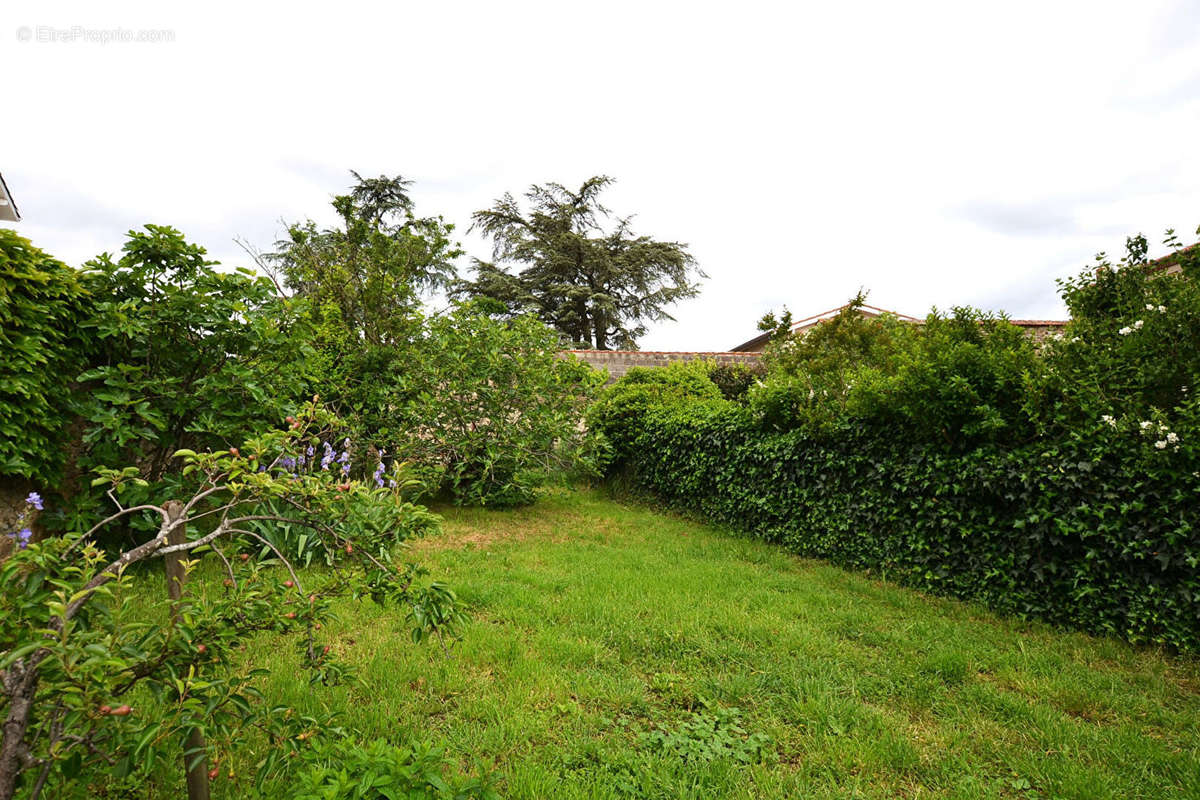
[[594, 621]]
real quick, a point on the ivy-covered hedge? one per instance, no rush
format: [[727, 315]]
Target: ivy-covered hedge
[[42, 302], [1078, 532], [1058, 480]]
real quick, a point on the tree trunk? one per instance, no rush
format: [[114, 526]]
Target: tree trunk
[[197, 776], [20, 684], [598, 327]]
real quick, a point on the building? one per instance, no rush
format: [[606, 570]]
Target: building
[[8, 209], [1038, 329]]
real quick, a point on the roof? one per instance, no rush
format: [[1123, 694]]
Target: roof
[[664, 352], [874, 311], [1172, 259], [808, 322], [8, 208]]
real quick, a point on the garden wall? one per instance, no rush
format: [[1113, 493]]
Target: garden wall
[[618, 362]]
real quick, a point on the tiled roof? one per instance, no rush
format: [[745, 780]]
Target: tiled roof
[[665, 352], [874, 311], [808, 322]]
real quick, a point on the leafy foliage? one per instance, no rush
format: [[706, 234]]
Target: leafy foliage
[[709, 735], [481, 408], [594, 285], [622, 408], [1131, 351], [186, 355], [42, 302], [735, 380], [380, 771], [365, 277], [498, 413]]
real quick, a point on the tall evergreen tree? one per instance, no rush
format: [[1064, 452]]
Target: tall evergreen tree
[[369, 271], [581, 270]]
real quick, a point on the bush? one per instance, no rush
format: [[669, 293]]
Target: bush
[[42, 302], [619, 412], [496, 412], [484, 408], [734, 380]]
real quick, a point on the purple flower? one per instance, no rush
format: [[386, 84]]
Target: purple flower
[[379, 468], [34, 500], [391, 484], [309, 452], [23, 538]]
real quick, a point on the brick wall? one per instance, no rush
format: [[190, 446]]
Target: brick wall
[[618, 362]]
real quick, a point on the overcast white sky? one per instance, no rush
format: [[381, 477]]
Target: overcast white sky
[[935, 153]]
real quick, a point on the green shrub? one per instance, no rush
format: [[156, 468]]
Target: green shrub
[[961, 379], [1131, 350], [41, 304], [493, 409], [482, 408], [184, 355], [620, 410], [734, 380]]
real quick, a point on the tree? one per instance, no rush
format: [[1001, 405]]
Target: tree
[[366, 276], [184, 354], [779, 327], [596, 284], [483, 407]]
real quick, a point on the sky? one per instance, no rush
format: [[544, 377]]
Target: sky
[[931, 153]]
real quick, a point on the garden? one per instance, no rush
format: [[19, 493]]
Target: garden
[[296, 531]]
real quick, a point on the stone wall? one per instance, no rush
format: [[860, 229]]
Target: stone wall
[[618, 362]]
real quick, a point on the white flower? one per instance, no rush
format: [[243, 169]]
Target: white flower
[[1110, 419], [1172, 437], [1149, 306], [1138, 325], [1125, 331], [1161, 444], [1075, 339], [1145, 424], [1162, 309]]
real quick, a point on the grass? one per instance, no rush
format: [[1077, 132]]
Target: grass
[[593, 621]]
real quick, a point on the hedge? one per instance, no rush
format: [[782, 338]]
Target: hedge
[[1077, 532]]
